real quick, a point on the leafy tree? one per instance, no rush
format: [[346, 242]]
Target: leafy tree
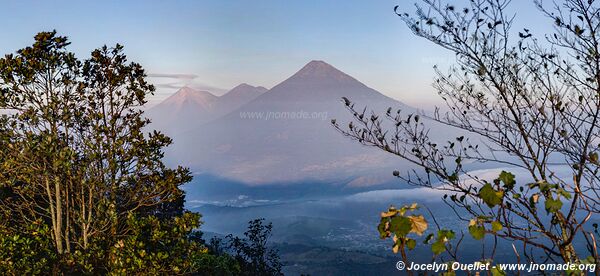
[[158, 246], [534, 104], [77, 155], [82, 185], [253, 253]]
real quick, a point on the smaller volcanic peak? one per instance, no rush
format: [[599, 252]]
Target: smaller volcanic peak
[[189, 96], [243, 91], [183, 110], [189, 108], [245, 86]]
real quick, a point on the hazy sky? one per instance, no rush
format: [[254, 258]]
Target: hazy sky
[[225, 43]]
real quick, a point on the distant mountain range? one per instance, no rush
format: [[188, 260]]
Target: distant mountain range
[[189, 108], [281, 135]]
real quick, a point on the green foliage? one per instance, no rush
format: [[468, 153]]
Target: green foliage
[[508, 179], [496, 226], [552, 192], [411, 244], [252, 251], [528, 99], [217, 265], [448, 273], [553, 205], [157, 246], [477, 231], [76, 160], [496, 271], [490, 196], [438, 248], [396, 222], [29, 252], [400, 226]]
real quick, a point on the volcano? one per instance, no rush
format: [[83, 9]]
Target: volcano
[[285, 134]]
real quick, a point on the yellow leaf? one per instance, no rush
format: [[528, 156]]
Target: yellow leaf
[[535, 198], [388, 214], [419, 224], [395, 248]]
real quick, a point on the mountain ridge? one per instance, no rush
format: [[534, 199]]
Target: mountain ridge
[[276, 137], [189, 108]]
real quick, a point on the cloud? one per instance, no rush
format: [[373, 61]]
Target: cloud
[[172, 85], [174, 81], [239, 201], [423, 194], [362, 160], [522, 176], [390, 195], [173, 76]]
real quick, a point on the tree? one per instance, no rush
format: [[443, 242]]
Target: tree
[[534, 104], [82, 185], [252, 252]]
